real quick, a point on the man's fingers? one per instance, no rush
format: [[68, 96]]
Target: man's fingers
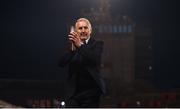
[[71, 39], [71, 36], [74, 34]]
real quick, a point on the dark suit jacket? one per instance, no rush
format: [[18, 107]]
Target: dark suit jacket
[[89, 56]]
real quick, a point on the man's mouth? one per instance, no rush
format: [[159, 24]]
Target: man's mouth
[[83, 34]]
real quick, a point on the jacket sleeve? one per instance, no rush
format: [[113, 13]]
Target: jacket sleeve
[[66, 58], [92, 54]]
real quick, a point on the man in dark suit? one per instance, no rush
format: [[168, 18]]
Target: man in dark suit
[[83, 60]]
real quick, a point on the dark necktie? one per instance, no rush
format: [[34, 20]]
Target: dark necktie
[[84, 42]]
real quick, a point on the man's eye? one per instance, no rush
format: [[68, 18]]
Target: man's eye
[[80, 28], [86, 27]]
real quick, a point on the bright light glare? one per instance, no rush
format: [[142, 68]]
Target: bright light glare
[[62, 103]]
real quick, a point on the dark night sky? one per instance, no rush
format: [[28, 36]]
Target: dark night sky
[[33, 33]]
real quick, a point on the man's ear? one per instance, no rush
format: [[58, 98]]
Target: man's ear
[[90, 30]]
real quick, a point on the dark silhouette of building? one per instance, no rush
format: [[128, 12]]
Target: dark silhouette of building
[[118, 61], [127, 57]]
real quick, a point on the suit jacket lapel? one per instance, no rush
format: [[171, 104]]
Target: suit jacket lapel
[[90, 42]]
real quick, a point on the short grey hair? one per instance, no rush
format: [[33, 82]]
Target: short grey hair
[[86, 20]]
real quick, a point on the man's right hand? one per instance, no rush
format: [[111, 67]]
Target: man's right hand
[[75, 39]]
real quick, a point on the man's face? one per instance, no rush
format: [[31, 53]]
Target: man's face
[[83, 29]]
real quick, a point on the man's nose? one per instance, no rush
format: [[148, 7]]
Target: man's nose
[[83, 30]]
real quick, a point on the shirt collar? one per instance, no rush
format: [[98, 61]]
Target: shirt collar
[[87, 40]]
